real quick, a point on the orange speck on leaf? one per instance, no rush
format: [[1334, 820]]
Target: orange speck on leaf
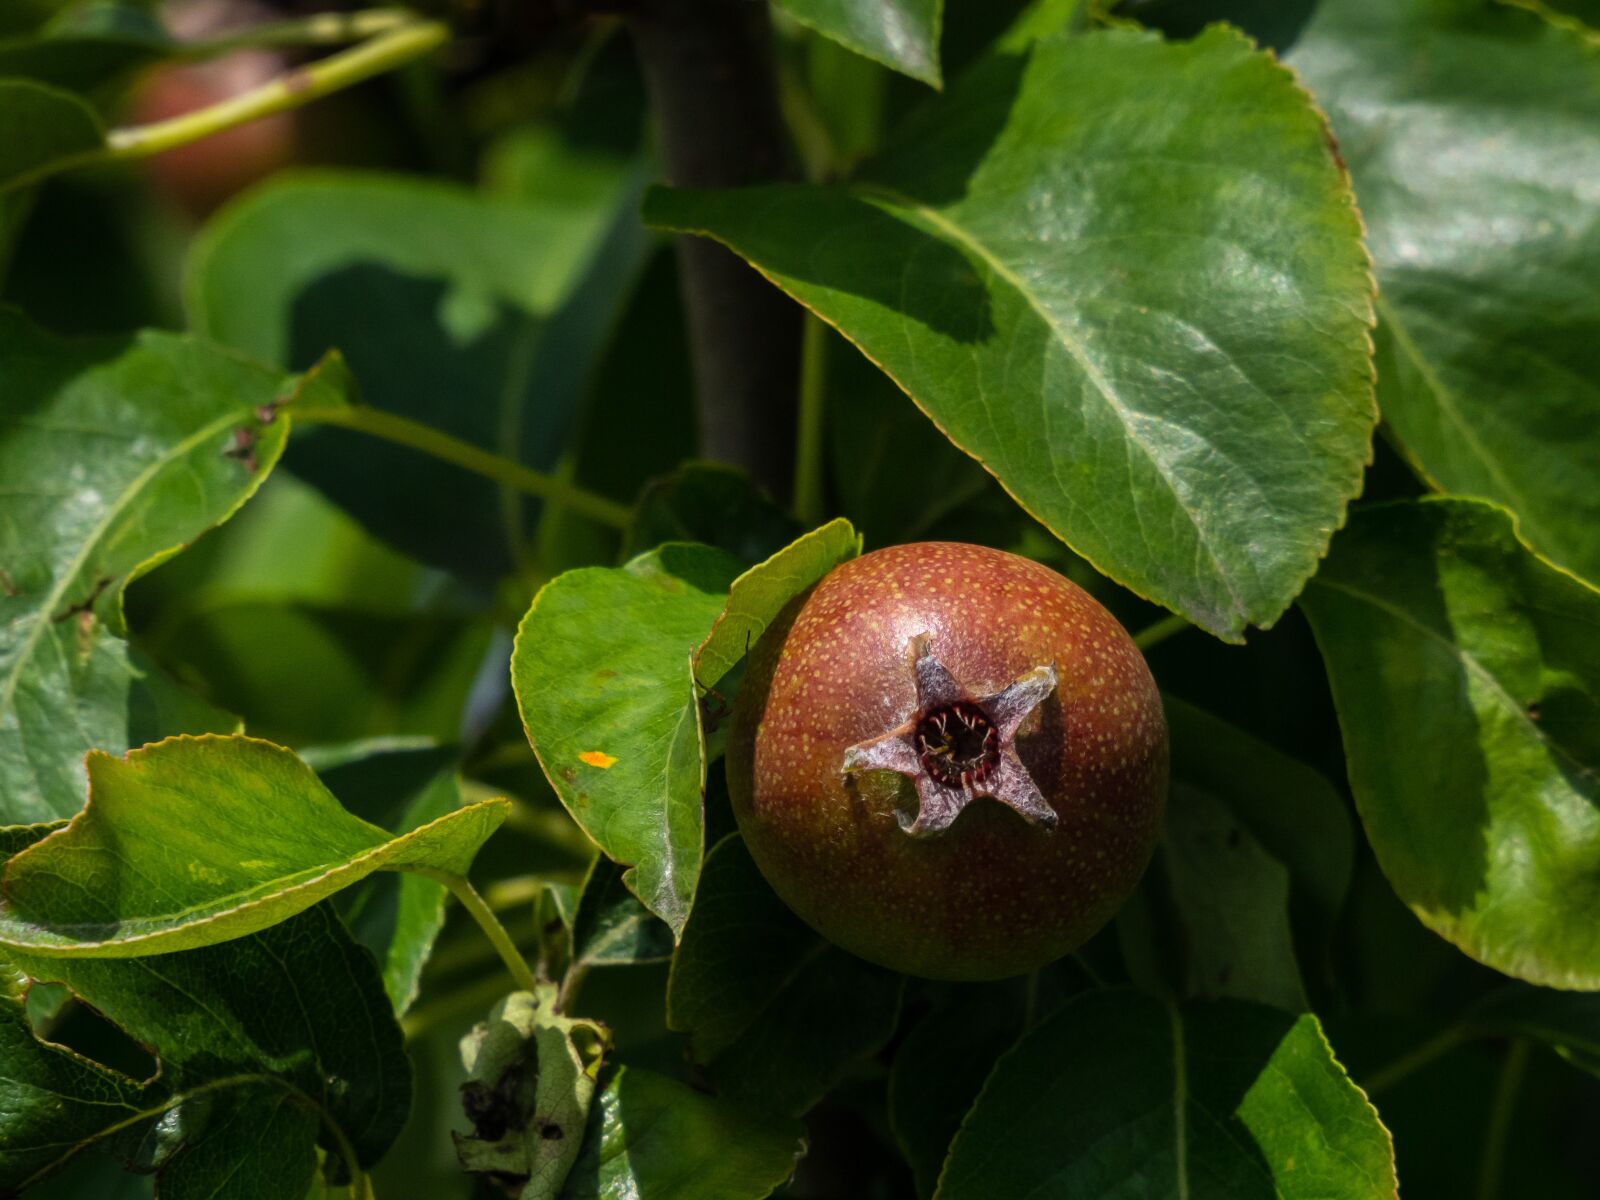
[[598, 758]]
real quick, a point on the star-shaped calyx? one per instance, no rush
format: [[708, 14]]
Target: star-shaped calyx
[[956, 746]]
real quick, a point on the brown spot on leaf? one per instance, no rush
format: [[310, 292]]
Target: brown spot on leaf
[[6, 585], [242, 447]]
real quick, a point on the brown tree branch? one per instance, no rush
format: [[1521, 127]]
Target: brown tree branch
[[708, 67]]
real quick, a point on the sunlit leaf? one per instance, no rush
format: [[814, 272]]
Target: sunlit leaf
[[1128, 277], [903, 34], [1472, 131], [602, 676], [194, 841], [758, 595], [115, 453], [1466, 671]]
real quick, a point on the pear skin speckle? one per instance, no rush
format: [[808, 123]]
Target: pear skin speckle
[[994, 894]]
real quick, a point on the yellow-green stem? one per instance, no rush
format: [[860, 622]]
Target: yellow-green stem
[[463, 891], [1158, 632], [1412, 1060], [399, 44], [403, 431], [808, 473], [1492, 1164], [319, 29]]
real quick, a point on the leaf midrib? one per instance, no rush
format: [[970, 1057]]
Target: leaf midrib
[[389, 854], [1074, 349], [74, 568], [1446, 404], [1470, 661]]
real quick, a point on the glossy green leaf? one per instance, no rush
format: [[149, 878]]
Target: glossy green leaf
[[1466, 671], [198, 840], [1120, 1094], [601, 670], [757, 596], [714, 504], [1472, 131], [610, 927], [263, 1133], [650, 1136], [41, 130], [777, 1012], [51, 1098], [1127, 276], [262, 1043], [480, 317], [1291, 810], [115, 453], [530, 1083], [939, 1069], [399, 785], [903, 34]]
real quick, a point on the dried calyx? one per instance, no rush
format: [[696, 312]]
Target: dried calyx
[[956, 746]]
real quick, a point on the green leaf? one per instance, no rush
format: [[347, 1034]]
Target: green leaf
[[83, 60], [650, 1136], [932, 1084], [115, 452], [610, 927], [1127, 276], [714, 504], [43, 129], [530, 1082], [262, 1044], [874, 431], [399, 785], [480, 317], [903, 34], [757, 596], [777, 1012], [51, 1099], [315, 632], [1466, 672], [1231, 898], [1119, 1094], [1295, 814], [601, 670], [1488, 317], [194, 841]]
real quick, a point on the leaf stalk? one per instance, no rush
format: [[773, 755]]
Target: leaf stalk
[[399, 45], [404, 431], [463, 891]]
